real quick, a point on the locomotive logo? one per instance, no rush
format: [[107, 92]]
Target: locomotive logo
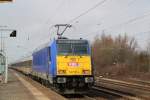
[[73, 62]]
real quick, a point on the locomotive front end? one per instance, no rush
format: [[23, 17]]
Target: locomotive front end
[[74, 67]]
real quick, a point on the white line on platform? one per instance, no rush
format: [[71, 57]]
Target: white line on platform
[[36, 93]]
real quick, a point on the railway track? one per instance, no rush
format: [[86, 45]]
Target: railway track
[[79, 97], [94, 94], [146, 83], [108, 89], [103, 93], [47, 89], [133, 89], [116, 93]]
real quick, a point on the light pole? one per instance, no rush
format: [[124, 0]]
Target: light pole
[[13, 34]]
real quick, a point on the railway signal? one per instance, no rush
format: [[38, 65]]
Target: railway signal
[[13, 34]]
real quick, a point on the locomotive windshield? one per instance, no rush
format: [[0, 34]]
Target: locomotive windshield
[[72, 47]]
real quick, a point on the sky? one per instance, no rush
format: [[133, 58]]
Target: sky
[[34, 20]]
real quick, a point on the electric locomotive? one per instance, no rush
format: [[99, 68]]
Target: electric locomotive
[[66, 64]]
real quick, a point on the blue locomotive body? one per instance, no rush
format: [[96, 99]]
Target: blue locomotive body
[[40, 61], [44, 60]]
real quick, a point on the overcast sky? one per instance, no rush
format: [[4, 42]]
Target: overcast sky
[[33, 20]]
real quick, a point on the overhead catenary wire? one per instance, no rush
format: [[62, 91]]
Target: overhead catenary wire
[[132, 20], [84, 13], [131, 2], [87, 11], [98, 4], [51, 17], [138, 18]]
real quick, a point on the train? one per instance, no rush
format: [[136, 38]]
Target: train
[[66, 65]]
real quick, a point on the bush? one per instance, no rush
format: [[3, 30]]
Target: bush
[[118, 56]]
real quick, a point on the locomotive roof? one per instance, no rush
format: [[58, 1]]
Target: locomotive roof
[[71, 41], [61, 41]]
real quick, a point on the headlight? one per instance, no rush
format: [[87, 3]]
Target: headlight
[[61, 71], [61, 80], [89, 79], [86, 72]]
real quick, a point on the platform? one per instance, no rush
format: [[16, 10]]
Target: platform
[[19, 89], [14, 89]]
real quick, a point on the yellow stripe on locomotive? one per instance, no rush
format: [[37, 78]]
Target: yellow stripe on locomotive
[[74, 65]]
